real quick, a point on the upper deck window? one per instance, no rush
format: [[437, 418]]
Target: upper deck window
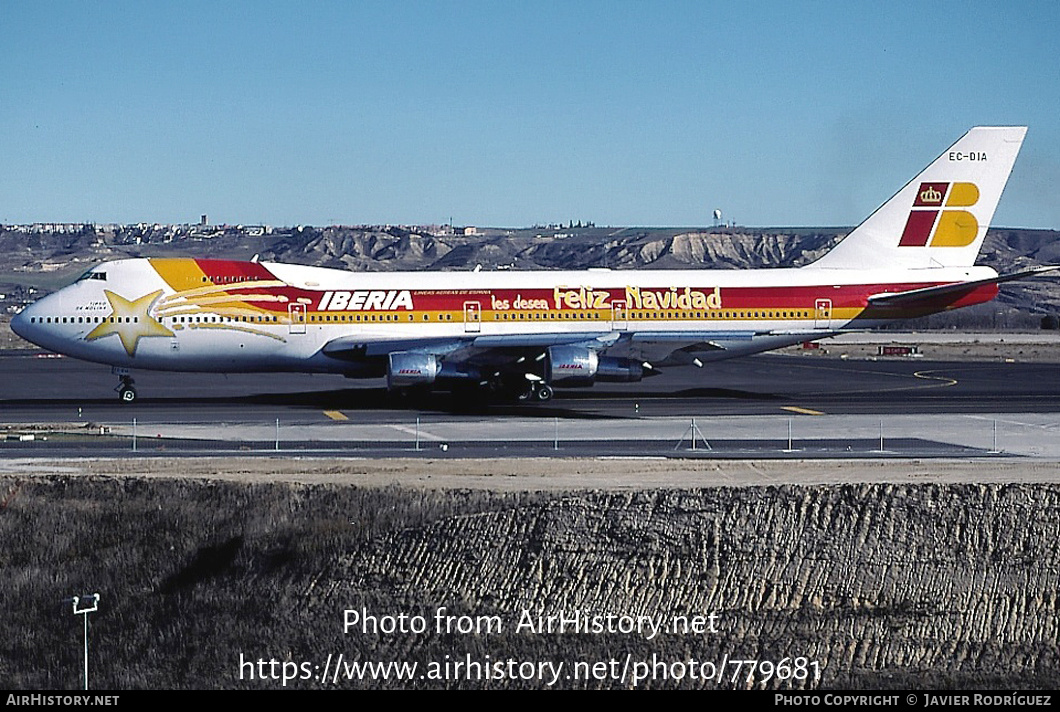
[[93, 275]]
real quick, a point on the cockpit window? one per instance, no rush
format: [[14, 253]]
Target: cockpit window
[[93, 275]]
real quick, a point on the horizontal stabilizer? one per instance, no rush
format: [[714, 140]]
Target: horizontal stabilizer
[[914, 296]]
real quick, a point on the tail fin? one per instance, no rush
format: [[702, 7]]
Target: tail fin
[[939, 219]]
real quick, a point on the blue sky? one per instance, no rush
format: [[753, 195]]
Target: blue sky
[[512, 113]]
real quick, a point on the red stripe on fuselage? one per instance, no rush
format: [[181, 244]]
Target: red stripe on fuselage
[[221, 271], [231, 273]]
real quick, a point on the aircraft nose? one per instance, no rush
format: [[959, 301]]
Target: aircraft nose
[[32, 323], [19, 322], [24, 324]]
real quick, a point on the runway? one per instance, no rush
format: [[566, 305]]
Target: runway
[[768, 406], [40, 389]]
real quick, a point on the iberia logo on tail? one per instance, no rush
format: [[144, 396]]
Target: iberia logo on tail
[[954, 228]]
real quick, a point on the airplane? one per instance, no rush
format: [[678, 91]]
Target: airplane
[[522, 334]]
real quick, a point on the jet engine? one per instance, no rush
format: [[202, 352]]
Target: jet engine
[[406, 369], [580, 366]]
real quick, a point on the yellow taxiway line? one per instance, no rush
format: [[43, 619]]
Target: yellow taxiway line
[[803, 411]]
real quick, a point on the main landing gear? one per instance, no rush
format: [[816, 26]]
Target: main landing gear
[[512, 387], [126, 390], [538, 391]]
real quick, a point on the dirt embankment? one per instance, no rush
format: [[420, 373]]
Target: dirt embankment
[[883, 585]]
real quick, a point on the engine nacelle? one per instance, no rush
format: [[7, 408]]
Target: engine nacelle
[[579, 366], [571, 365], [406, 369], [622, 370]]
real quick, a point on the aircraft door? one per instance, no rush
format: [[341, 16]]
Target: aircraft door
[[619, 315], [296, 312], [822, 314], [472, 317]]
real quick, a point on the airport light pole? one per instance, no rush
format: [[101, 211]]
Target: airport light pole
[[94, 598]]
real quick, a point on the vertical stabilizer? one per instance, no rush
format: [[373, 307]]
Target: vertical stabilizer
[[939, 219]]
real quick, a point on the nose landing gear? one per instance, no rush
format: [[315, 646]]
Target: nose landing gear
[[126, 390]]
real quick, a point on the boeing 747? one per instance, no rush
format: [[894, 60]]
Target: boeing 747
[[521, 334]]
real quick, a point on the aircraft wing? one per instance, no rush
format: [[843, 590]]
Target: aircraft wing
[[362, 346], [671, 348], [658, 347]]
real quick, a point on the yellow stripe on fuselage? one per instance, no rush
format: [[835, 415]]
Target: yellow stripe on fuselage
[[181, 274]]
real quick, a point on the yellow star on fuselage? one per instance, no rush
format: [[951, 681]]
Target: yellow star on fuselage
[[130, 320]]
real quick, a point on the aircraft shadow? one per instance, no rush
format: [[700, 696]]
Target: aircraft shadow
[[566, 404]]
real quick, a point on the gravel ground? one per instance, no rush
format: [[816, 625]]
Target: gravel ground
[[550, 474]]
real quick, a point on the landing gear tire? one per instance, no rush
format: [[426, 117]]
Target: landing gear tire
[[535, 391], [126, 390]]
